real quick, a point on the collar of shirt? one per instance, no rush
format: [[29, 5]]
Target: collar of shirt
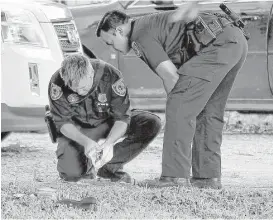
[[131, 31]]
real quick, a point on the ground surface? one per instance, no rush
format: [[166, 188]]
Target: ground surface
[[29, 163]]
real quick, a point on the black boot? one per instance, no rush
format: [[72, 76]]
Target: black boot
[[206, 183], [118, 176], [165, 182]]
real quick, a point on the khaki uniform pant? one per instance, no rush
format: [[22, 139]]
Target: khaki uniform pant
[[195, 108]]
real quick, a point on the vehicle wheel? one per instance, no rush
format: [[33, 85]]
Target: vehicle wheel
[[4, 135]]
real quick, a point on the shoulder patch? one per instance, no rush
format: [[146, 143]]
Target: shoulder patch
[[136, 49], [55, 92], [119, 87]]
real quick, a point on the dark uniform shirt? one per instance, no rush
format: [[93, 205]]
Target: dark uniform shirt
[[107, 99], [154, 39]]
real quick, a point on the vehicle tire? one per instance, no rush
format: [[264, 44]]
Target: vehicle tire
[[4, 135]]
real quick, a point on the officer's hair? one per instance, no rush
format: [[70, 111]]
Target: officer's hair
[[74, 68], [111, 20]]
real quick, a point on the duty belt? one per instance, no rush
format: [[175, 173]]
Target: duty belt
[[201, 33]]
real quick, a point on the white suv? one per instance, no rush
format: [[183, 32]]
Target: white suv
[[35, 38]]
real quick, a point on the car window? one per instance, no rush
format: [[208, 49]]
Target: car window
[[82, 3], [146, 3], [142, 3]]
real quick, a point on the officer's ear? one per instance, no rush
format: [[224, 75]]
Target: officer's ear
[[119, 30]]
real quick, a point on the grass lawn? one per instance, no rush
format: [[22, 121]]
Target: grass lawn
[[28, 163]]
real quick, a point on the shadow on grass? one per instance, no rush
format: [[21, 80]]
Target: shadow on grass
[[15, 149]]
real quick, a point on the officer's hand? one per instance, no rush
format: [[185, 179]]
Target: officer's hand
[[106, 156], [187, 12], [90, 150]]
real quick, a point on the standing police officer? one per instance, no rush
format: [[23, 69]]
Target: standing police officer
[[197, 60], [89, 101]]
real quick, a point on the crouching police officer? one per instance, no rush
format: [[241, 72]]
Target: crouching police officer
[[197, 61], [89, 102]]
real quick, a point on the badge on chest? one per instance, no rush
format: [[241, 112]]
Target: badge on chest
[[73, 98], [102, 103], [102, 97]]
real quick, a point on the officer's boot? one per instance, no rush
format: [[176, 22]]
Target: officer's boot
[[118, 176], [206, 183], [165, 181]]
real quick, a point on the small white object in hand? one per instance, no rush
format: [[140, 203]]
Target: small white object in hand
[[107, 155], [93, 156]]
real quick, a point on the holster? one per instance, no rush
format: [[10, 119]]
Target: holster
[[200, 33], [235, 18], [52, 130]]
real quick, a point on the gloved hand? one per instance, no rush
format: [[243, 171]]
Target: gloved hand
[[107, 154], [90, 150]]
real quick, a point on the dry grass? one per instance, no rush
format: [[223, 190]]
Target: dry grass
[[248, 123], [120, 201], [245, 123], [29, 163]]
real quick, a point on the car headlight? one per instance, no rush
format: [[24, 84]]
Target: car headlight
[[20, 26]]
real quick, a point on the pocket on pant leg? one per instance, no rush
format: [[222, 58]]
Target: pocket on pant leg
[[71, 160], [182, 85], [60, 151]]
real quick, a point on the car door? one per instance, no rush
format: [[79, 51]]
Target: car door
[[270, 49], [87, 15], [142, 83], [251, 90], [146, 88]]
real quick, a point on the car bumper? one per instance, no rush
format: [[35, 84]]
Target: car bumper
[[22, 118]]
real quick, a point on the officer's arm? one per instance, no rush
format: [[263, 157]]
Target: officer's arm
[[72, 132], [62, 115], [90, 146], [155, 56], [118, 130], [187, 12], [119, 106], [167, 71]]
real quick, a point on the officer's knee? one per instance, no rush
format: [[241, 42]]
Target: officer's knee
[[69, 173], [153, 124], [70, 178], [70, 162]]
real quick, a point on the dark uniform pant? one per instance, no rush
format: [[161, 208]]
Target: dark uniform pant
[[195, 108], [72, 162]]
